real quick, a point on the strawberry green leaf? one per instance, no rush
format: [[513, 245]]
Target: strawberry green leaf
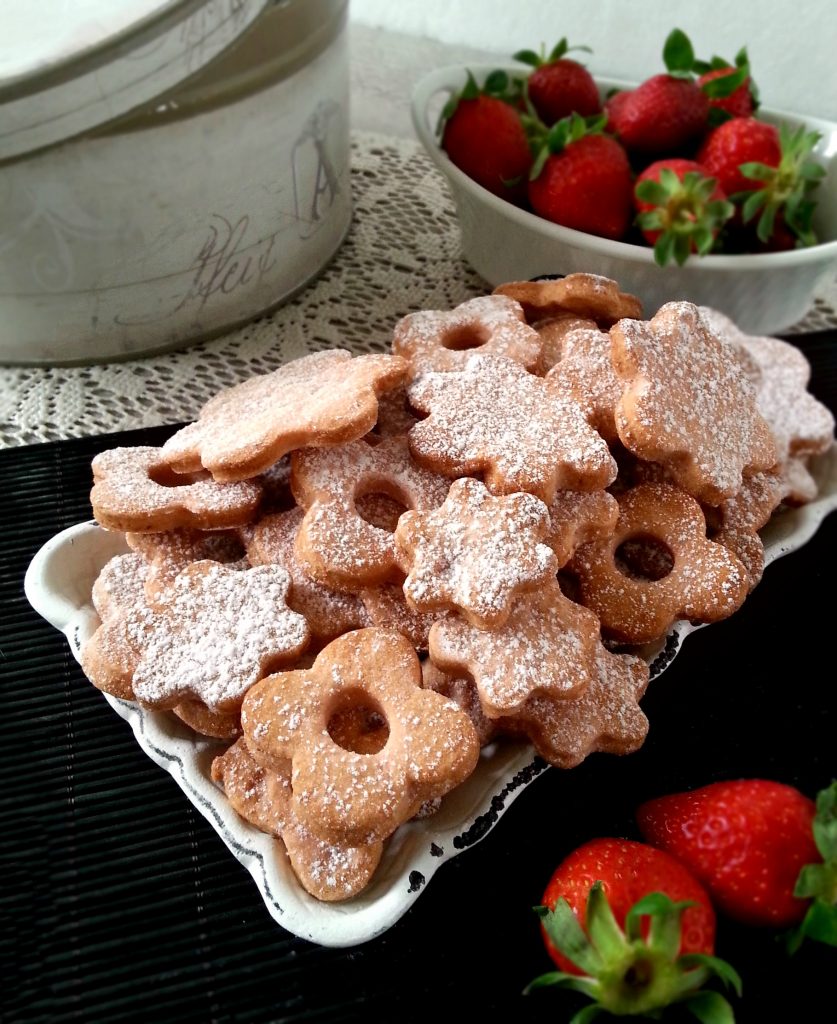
[[715, 965], [825, 822], [585, 1015], [820, 923], [664, 248], [560, 48], [717, 115], [650, 191], [566, 934], [607, 937], [725, 85], [528, 57], [560, 979], [752, 204], [766, 223], [496, 83], [678, 53], [710, 1008], [757, 171]]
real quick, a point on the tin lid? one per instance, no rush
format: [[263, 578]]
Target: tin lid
[[70, 67]]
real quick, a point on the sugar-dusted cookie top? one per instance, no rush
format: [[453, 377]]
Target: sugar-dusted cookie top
[[320, 399], [518, 430], [435, 339], [218, 632], [586, 373], [167, 554], [687, 403], [261, 796], [547, 645], [693, 578], [585, 295], [327, 611], [336, 544], [135, 491], [577, 517], [604, 717], [475, 553], [342, 795]]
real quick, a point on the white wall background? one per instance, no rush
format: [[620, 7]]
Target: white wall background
[[792, 43]]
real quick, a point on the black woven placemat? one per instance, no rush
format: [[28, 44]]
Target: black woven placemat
[[118, 902]]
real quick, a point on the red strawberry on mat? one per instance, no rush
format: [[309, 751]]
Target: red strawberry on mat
[[631, 928], [749, 841]]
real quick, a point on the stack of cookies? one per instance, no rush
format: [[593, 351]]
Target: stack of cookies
[[356, 572]]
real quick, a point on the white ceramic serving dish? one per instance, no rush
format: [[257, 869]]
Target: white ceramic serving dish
[[763, 294], [58, 584]]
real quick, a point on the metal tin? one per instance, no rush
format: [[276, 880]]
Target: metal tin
[[174, 212]]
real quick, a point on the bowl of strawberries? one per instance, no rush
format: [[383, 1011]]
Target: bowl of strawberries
[[680, 187]]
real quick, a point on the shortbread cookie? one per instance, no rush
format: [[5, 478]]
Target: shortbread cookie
[[443, 339], [219, 631], [135, 492], [328, 871], [110, 656], [475, 553], [687, 404], [706, 582], [518, 430], [218, 725], [586, 373], [335, 544], [320, 399], [463, 690], [340, 795], [329, 613], [552, 333], [387, 606], [604, 717], [584, 295], [577, 517], [547, 645], [167, 554]]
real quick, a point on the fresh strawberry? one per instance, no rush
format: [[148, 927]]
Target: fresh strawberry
[[666, 113], [484, 136], [680, 209], [638, 928], [768, 170], [559, 86], [731, 93], [746, 840], [582, 179]]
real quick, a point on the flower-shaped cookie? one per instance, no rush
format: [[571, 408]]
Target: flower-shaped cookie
[[321, 399], [584, 295], [585, 371], [386, 606], [218, 631], [742, 516], [341, 795], [462, 690], [134, 491], [548, 645], [328, 871], [604, 717], [335, 544], [552, 333], [442, 339], [577, 517], [706, 582], [329, 612], [518, 430], [800, 424], [168, 554], [110, 656], [687, 403], [475, 553]]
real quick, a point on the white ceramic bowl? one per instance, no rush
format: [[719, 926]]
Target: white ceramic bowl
[[763, 294]]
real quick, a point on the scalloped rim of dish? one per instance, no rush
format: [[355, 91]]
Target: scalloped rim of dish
[[452, 77], [57, 585]]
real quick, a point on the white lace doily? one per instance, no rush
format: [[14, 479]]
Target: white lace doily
[[402, 253]]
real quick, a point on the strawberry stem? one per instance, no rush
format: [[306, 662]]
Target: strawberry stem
[[627, 974]]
